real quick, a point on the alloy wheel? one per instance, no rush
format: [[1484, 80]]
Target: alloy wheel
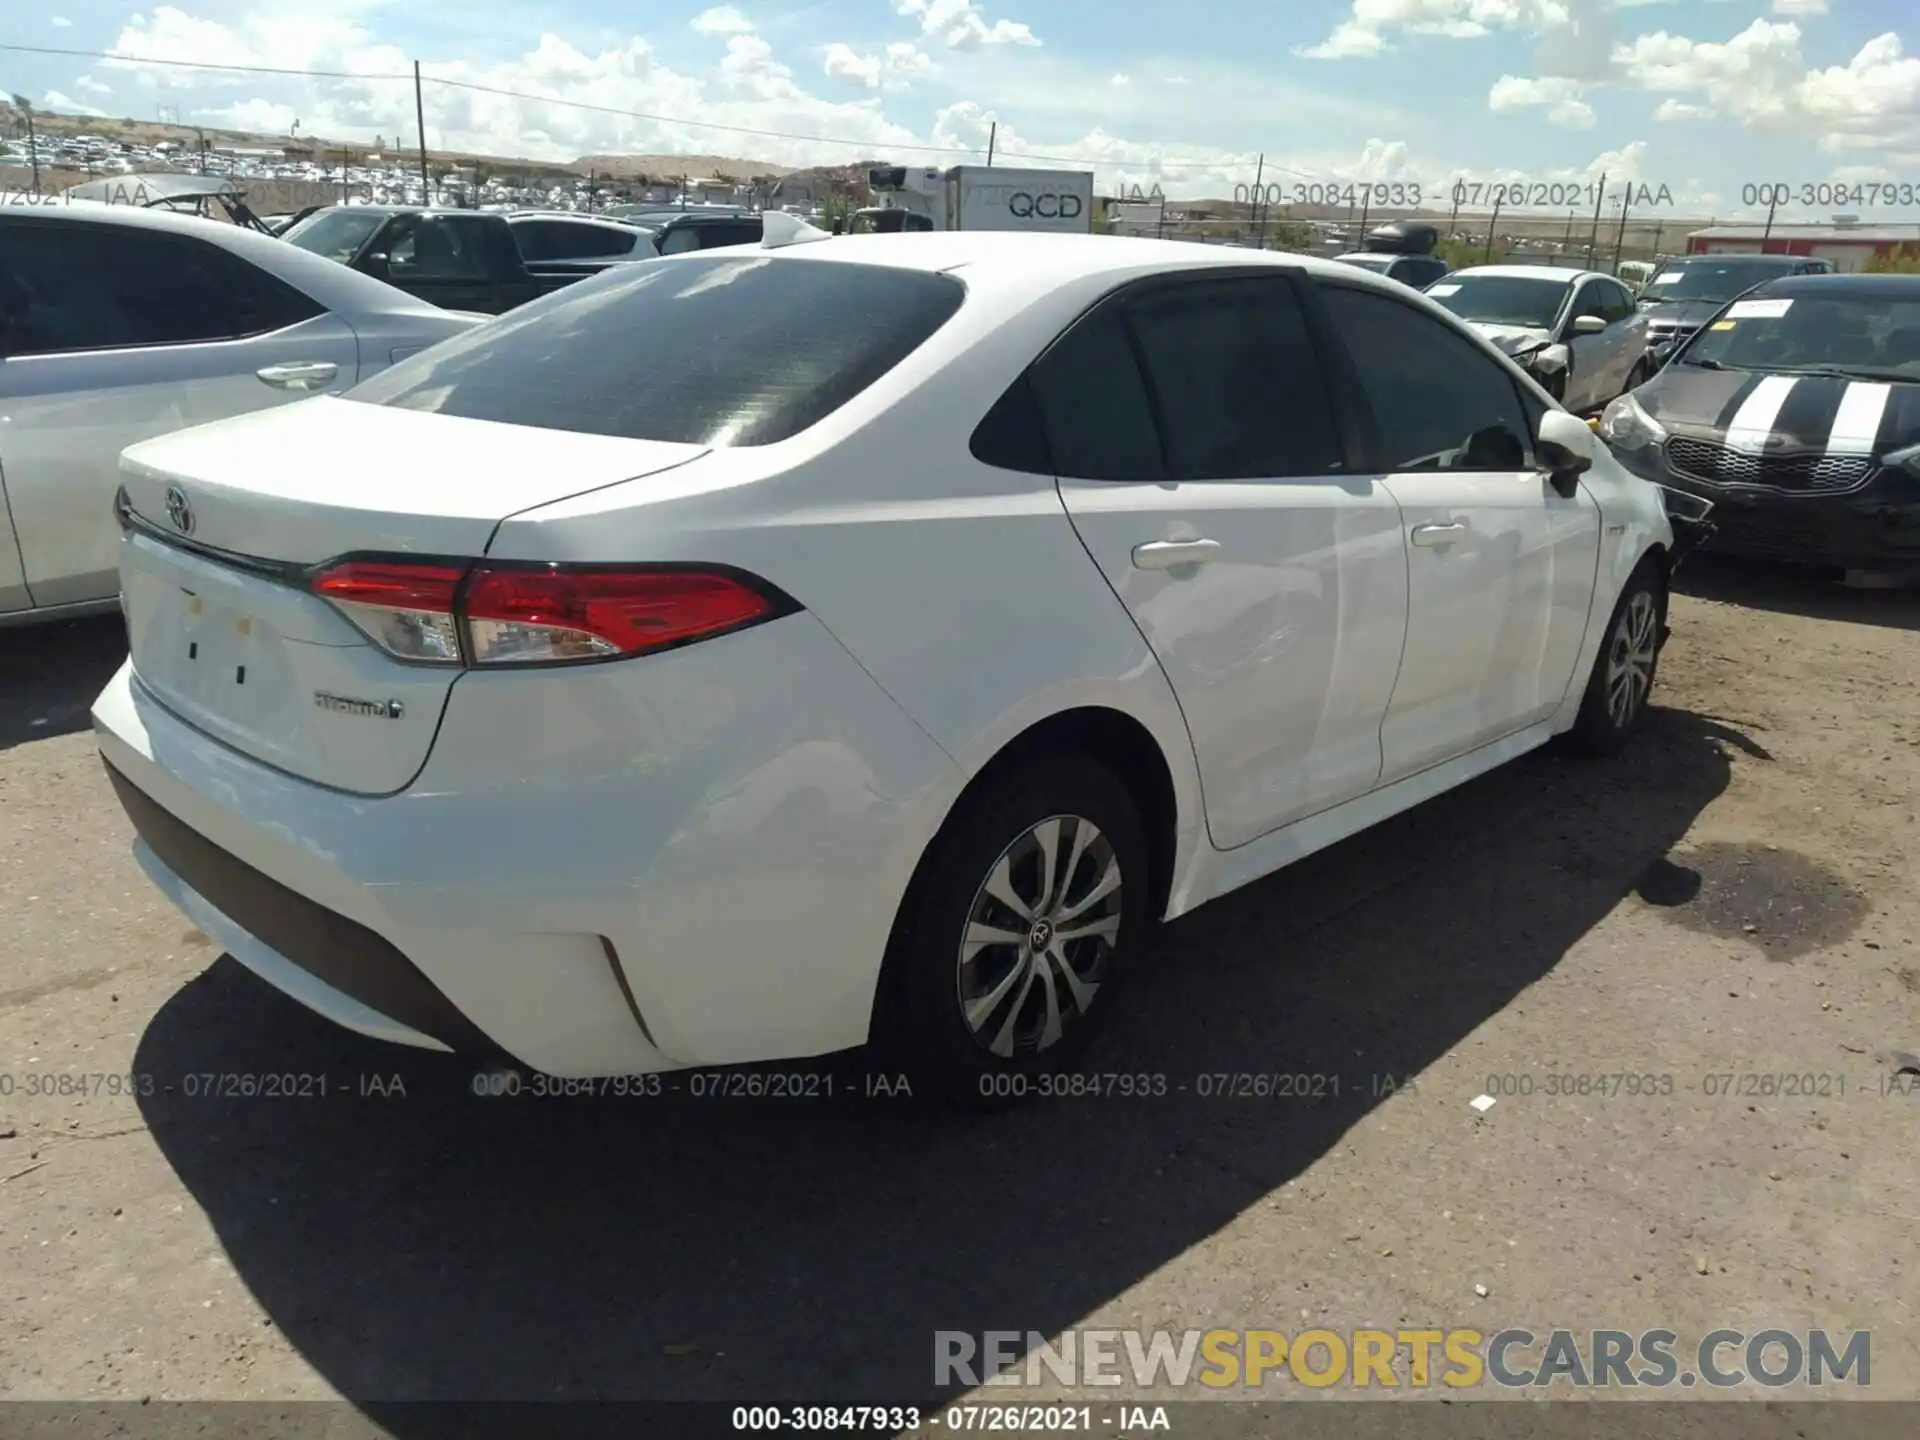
[[1038, 937], [1630, 656]]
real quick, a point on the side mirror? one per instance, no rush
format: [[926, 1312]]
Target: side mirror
[[1587, 325], [1565, 447], [376, 265]]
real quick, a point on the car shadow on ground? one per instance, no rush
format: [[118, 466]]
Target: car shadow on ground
[[438, 1245], [1796, 590], [50, 673]]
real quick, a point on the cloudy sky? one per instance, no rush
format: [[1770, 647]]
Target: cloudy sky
[[1707, 97]]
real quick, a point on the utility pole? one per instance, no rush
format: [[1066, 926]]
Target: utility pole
[[1772, 203], [1498, 196], [1658, 227], [1366, 204], [1566, 242], [420, 119], [1160, 230], [1453, 220], [1620, 236], [1593, 235], [33, 145], [993, 134], [1259, 174]]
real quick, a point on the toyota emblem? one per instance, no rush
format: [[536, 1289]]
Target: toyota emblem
[[178, 510]]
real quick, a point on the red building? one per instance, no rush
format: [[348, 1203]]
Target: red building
[[1847, 243]]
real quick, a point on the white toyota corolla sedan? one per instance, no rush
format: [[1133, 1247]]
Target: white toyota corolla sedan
[[752, 654]]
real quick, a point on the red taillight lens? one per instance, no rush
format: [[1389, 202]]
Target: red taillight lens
[[532, 615], [450, 612], [406, 609]]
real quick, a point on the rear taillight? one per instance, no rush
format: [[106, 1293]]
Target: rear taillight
[[404, 608], [449, 613]]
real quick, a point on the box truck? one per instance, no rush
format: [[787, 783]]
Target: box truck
[[977, 197]]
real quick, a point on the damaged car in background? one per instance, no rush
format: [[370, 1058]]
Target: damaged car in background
[[1575, 331]]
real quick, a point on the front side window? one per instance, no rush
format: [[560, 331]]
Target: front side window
[[1438, 402], [433, 247], [767, 345], [336, 233], [71, 287]]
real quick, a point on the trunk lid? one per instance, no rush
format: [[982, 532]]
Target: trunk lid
[[225, 521]]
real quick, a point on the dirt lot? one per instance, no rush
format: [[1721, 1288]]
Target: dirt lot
[[1733, 898]]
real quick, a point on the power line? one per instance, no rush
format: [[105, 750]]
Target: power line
[[861, 146]]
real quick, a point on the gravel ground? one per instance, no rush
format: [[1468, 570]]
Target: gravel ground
[[1734, 897]]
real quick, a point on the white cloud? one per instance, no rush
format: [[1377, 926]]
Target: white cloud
[[1366, 30], [1681, 110], [67, 105], [1178, 80], [721, 20], [60, 22], [892, 69], [843, 62], [959, 26], [1121, 80], [1799, 7], [1561, 98], [93, 86]]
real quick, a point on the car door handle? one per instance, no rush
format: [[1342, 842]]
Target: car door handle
[[299, 375], [1165, 554], [1431, 535]]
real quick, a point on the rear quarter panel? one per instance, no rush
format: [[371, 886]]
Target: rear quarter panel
[[963, 590]]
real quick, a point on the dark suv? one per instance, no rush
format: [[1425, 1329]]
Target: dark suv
[[1686, 293], [1418, 271]]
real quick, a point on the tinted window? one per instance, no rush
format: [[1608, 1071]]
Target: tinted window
[[437, 247], [679, 240], [1093, 404], [1438, 402], [1616, 302], [94, 287], [1419, 273], [1236, 380], [728, 350], [337, 234], [570, 240]]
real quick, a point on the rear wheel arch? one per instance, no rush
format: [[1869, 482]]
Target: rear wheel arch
[[1112, 739]]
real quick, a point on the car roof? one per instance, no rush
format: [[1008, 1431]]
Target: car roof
[[612, 222], [1565, 275], [1847, 287], [1023, 261], [1723, 257], [157, 186]]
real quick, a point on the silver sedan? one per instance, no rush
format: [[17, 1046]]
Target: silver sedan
[[119, 323]]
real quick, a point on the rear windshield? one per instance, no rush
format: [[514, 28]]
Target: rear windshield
[[721, 350]]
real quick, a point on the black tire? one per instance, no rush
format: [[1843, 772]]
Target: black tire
[[920, 1027], [1603, 728]]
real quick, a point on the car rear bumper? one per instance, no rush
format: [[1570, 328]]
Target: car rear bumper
[[1877, 525], [693, 859]]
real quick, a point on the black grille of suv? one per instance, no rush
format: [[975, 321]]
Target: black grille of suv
[[1715, 464]]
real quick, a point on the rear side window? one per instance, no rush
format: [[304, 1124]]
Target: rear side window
[[1093, 404], [722, 350], [83, 286]]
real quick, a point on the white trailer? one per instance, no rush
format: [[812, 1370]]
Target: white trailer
[[978, 197]]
